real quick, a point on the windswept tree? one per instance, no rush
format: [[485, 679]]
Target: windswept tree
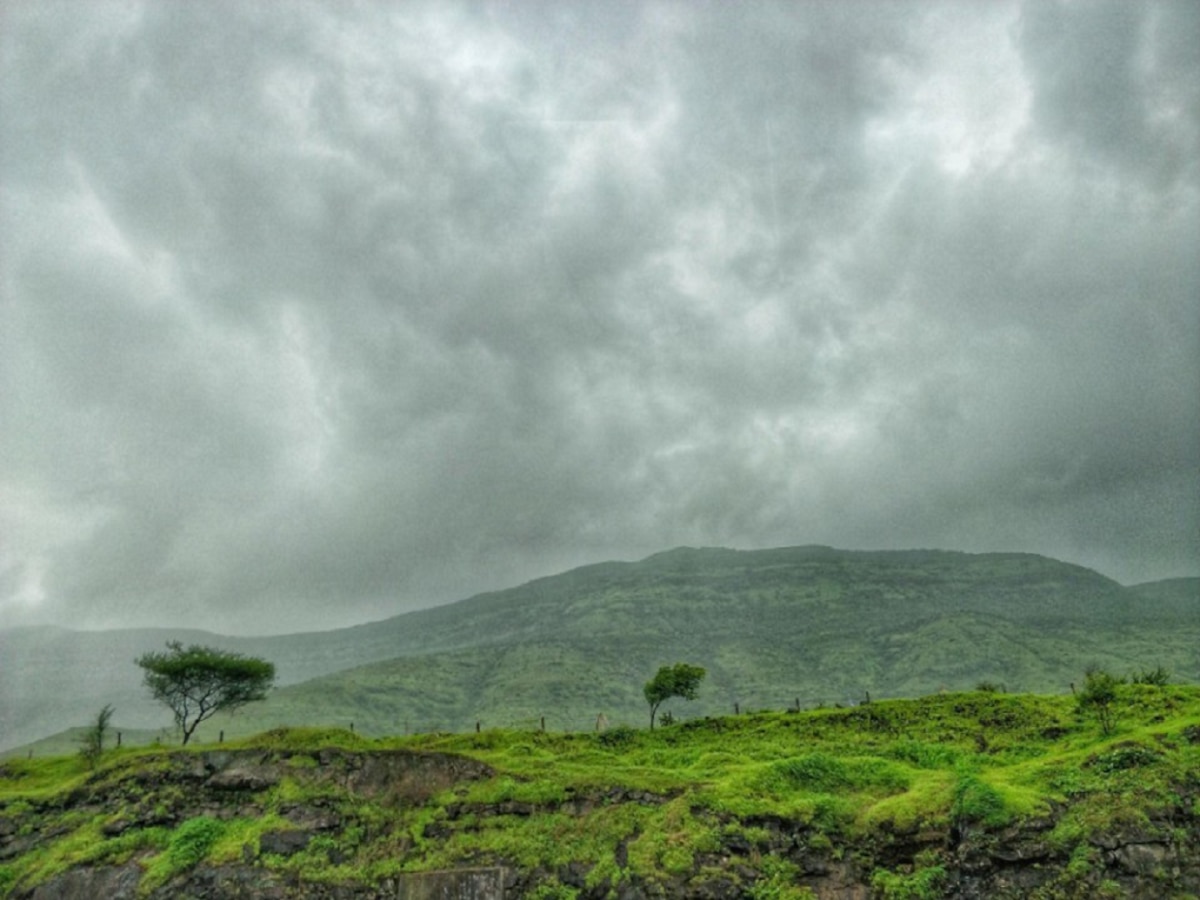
[[195, 682], [92, 743], [680, 680]]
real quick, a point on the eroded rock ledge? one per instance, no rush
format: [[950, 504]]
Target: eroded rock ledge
[[1153, 859]]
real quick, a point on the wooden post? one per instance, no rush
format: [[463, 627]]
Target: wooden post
[[543, 723], [737, 710], [352, 728], [477, 726], [118, 739], [221, 737]]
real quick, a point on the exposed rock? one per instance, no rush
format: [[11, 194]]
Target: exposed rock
[[465, 884], [109, 882], [247, 778], [1141, 859], [284, 843]]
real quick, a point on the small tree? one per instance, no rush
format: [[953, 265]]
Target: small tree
[[680, 680], [1099, 697], [92, 742], [195, 682]]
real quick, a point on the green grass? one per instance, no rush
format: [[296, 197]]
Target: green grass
[[676, 803]]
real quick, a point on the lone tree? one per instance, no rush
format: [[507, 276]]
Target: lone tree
[[196, 682], [680, 680], [92, 743]]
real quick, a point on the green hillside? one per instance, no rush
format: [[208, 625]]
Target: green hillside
[[808, 625], [773, 627]]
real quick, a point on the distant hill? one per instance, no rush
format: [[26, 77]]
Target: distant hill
[[809, 624]]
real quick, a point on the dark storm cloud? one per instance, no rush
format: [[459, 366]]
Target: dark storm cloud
[[317, 312]]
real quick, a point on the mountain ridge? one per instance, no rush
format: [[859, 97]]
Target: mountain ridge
[[811, 606]]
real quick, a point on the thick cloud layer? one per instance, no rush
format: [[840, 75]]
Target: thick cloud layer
[[316, 312]]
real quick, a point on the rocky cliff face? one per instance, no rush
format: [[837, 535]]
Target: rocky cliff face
[[127, 828]]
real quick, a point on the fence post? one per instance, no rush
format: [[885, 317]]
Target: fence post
[[118, 739], [477, 726], [543, 723], [221, 737], [737, 709]]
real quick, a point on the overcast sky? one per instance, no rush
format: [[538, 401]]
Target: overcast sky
[[313, 313]]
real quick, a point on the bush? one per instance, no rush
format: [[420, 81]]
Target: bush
[[1157, 677], [977, 801], [616, 738], [1121, 758], [192, 840], [1099, 697], [777, 881], [924, 884]]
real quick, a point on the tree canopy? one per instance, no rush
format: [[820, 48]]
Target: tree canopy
[[195, 681], [680, 680]]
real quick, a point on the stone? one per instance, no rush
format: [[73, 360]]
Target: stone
[[109, 882], [284, 843], [247, 778], [1141, 859]]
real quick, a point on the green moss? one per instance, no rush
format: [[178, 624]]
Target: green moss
[[923, 884], [777, 881]]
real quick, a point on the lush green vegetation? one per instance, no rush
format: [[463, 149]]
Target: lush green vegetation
[[746, 797], [771, 628]]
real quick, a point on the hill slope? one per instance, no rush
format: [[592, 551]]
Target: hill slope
[[772, 626]]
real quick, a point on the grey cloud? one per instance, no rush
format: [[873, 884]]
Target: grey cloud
[[1117, 82], [312, 317]]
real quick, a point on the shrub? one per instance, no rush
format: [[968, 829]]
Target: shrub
[[616, 738], [192, 840], [923, 884], [1120, 758], [1157, 677], [1099, 697], [977, 801], [777, 881]]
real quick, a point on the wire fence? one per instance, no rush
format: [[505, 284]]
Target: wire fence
[[574, 722]]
